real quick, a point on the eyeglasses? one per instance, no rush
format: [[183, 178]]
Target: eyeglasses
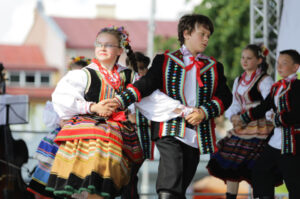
[[105, 45]]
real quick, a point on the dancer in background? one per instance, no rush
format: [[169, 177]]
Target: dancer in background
[[238, 151], [96, 146], [142, 127], [47, 148], [283, 149], [142, 63]]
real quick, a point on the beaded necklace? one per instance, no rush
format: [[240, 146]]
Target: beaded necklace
[[245, 82], [113, 79]]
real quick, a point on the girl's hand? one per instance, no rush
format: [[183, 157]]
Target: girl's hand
[[132, 118], [236, 121], [196, 117], [104, 108]]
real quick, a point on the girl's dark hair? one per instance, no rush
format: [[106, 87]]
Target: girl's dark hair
[[140, 57], [188, 22], [119, 34], [293, 54], [257, 51]]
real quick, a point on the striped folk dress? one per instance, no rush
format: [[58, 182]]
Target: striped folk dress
[[95, 154]]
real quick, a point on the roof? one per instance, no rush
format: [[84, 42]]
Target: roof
[[24, 57], [81, 32]]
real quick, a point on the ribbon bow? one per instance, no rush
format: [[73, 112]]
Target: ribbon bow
[[281, 82], [199, 65], [118, 117]]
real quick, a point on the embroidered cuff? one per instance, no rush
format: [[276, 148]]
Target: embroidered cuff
[[220, 105], [120, 101], [212, 109], [127, 97], [277, 120]]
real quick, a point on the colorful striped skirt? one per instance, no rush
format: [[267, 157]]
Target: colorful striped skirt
[[45, 154], [94, 156], [235, 158]]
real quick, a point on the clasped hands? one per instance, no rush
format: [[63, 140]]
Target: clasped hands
[[237, 122], [195, 117], [104, 108]]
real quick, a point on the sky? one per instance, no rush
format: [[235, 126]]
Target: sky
[[16, 16]]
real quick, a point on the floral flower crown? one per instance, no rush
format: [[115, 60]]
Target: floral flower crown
[[124, 34], [263, 51], [75, 60]]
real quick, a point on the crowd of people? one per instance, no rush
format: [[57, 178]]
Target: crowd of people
[[105, 118]]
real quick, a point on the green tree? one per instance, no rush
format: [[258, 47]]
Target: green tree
[[231, 22], [161, 44]]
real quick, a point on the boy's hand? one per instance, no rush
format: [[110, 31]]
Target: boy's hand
[[104, 108], [196, 117]]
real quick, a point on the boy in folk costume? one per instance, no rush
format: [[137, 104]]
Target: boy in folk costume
[[283, 149], [195, 80]]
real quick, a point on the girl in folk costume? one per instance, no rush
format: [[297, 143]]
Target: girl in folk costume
[[238, 151], [47, 148], [96, 146]]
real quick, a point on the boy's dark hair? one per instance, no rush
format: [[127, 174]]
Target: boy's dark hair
[[188, 22], [140, 57], [293, 54]]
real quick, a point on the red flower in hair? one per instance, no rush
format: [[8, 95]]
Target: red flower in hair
[[264, 50]]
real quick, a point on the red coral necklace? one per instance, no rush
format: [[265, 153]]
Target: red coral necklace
[[245, 82], [113, 79]]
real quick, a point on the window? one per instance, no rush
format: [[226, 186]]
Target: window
[[29, 78], [14, 77], [45, 79]]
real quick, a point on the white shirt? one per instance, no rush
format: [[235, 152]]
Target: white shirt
[[159, 107], [190, 137], [236, 107], [68, 96]]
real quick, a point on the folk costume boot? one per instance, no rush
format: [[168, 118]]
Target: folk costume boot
[[166, 195], [230, 196]]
